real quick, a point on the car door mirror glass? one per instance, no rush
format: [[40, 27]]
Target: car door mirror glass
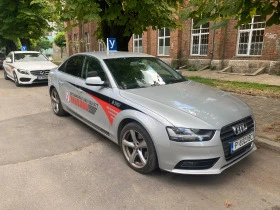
[[8, 60]]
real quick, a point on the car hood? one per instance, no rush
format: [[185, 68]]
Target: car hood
[[190, 104], [35, 65]]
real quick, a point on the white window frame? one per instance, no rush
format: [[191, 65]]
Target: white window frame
[[199, 35], [137, 39], [101, 45], [87, 35], [76, 43], [164, 37], [249, 30]]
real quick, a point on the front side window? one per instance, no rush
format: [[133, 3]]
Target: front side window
[[74, 65], [250, 37], [91, 64], [25, 57], [137, 43], [200, 38], [142, 72], [164, 41]]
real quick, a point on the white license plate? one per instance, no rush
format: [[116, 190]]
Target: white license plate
[[42, 77], [235, 145]]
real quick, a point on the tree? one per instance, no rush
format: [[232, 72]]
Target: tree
[[23, 20], [43, 44], [119, 18], [221, 11], [60, 41]]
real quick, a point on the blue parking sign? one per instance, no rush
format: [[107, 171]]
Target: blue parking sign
[[111, 44], [23, 48]]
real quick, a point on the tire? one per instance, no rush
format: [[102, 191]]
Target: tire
[[138, 148], [56, 103], [16, 80], [5, 75]]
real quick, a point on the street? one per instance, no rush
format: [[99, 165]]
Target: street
[[50, 162]]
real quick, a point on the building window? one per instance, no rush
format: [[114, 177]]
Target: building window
[[87, 36], [164, 41], [200, 36], [101, 45], [250, 37], [76, 43], [137, 43]]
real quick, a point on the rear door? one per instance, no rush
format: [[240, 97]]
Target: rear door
[[68, 76]]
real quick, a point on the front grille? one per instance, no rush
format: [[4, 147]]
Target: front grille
[[227, 136], [24, 79], [40, 72]]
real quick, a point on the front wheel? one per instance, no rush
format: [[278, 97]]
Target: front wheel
[[16, 80], [138, 148], [5, 75], [56, 103]]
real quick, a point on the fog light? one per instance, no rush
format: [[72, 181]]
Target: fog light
[[196, 164]]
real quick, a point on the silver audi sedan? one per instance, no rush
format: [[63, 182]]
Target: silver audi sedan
[[159, 118]]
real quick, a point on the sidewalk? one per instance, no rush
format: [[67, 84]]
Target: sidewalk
[[266, 110]]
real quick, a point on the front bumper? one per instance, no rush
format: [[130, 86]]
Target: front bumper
[[31, 78]]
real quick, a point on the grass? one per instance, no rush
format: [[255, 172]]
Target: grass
[[240, 87]]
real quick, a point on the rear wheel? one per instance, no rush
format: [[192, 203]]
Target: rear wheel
[[56, 103], [138, 148], [16, 80]]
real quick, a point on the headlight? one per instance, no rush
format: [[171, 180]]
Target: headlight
[[22, 71], [189, 134]]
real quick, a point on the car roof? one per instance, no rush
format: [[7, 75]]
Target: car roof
[[114, 54], [26, 52]]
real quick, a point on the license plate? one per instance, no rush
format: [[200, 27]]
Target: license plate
[[235, 145], [42, 77]]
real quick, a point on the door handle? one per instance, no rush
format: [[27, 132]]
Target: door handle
[[60, 82], [80, 91]]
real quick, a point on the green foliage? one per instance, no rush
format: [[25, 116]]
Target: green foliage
[[118, 18], [221, 11], [43, 44], [240, 87], [26, 19], [60, 40]]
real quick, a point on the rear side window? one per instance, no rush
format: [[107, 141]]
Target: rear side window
[[74, 65]]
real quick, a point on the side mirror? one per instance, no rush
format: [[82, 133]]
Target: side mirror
[[94, 80], [50, 58], [8, 60]]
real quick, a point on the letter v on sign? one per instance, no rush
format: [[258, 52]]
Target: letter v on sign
[[111, 44]]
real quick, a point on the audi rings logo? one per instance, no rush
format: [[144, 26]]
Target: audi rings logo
[[240, 128], [42, 72]]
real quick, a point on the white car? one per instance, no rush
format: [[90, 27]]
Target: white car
[[27, 67], [158, 117]]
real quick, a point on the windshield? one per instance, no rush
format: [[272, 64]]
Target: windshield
[[23, 57], [141, 72]]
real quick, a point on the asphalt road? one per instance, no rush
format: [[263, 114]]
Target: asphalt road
[[48, 162]]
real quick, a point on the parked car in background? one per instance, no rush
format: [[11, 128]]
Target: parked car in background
[[2, 58], [27, 67], [157, 116]]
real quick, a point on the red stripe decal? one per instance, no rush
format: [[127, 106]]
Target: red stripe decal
[[110, 110]]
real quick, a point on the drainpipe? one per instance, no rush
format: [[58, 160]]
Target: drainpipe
[[213, 40]]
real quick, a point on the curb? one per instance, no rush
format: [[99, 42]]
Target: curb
[[265, 143]]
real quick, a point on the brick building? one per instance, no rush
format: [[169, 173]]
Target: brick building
[[245, 49]]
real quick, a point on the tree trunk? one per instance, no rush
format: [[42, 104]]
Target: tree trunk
[[25, 42], [114, 31], [61, 52], [10, 46]]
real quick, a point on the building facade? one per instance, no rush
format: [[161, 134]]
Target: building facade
[[244, 49]]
